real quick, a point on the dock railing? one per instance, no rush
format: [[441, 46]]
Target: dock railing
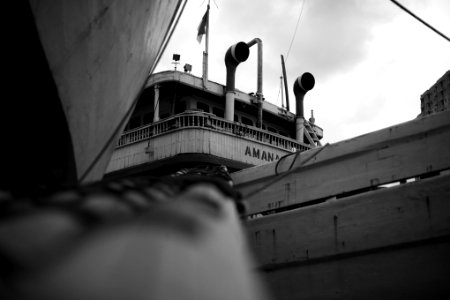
[[209, 122]]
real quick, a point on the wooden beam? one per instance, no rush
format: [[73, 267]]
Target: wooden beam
[[411, 212], [396, 153], [419, 272]]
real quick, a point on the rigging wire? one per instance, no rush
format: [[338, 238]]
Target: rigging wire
[[296, 27], [422, 21], [279, 92], [293, 38], [209, 3]]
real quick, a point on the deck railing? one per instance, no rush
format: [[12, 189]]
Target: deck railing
[[211, 122]]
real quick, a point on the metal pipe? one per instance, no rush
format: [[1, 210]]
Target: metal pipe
[[302, 85], [233, 57], [156, 104], [260, 63], [281, 92], [259, 93]]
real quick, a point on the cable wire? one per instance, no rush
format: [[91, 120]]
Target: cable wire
[[296, 27], [279, 92], [419, 19], [291, 169]]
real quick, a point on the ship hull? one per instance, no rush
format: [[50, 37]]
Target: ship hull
[[100, 54]]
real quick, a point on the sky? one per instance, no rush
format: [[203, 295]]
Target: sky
[[371, 60]]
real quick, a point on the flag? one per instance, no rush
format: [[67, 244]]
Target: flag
[[202, 26]]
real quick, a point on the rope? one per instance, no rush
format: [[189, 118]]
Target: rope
[[288, 172]]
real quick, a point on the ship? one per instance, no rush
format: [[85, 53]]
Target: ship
[[364, 218], [184, 121]]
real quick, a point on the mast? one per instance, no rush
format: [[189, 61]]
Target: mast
[[285, 82], [281, 91]]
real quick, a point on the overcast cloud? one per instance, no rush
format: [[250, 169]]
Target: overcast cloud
[[370, 59]]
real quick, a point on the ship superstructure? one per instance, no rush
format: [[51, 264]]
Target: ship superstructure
[[182, 121]]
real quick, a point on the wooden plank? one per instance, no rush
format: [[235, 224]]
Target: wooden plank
[[416, 272], [399, 152], [377, 139], [407, 213]]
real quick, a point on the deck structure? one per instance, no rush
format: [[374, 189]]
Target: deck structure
[[187, 127]]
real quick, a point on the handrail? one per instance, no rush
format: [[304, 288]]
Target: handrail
[[210, 122]]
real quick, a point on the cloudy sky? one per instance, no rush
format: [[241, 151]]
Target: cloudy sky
[[371, 60]]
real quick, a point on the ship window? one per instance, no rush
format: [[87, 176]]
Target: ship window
[[271, 129], [135, 122], [246, 121], [203, 106], [218, 112]]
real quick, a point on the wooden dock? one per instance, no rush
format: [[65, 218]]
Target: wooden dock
[[365, 218]]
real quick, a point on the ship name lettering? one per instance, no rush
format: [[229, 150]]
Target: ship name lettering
[[261, 154]]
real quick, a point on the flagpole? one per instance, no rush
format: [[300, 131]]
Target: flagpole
[[207, 33], [205, 53]]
